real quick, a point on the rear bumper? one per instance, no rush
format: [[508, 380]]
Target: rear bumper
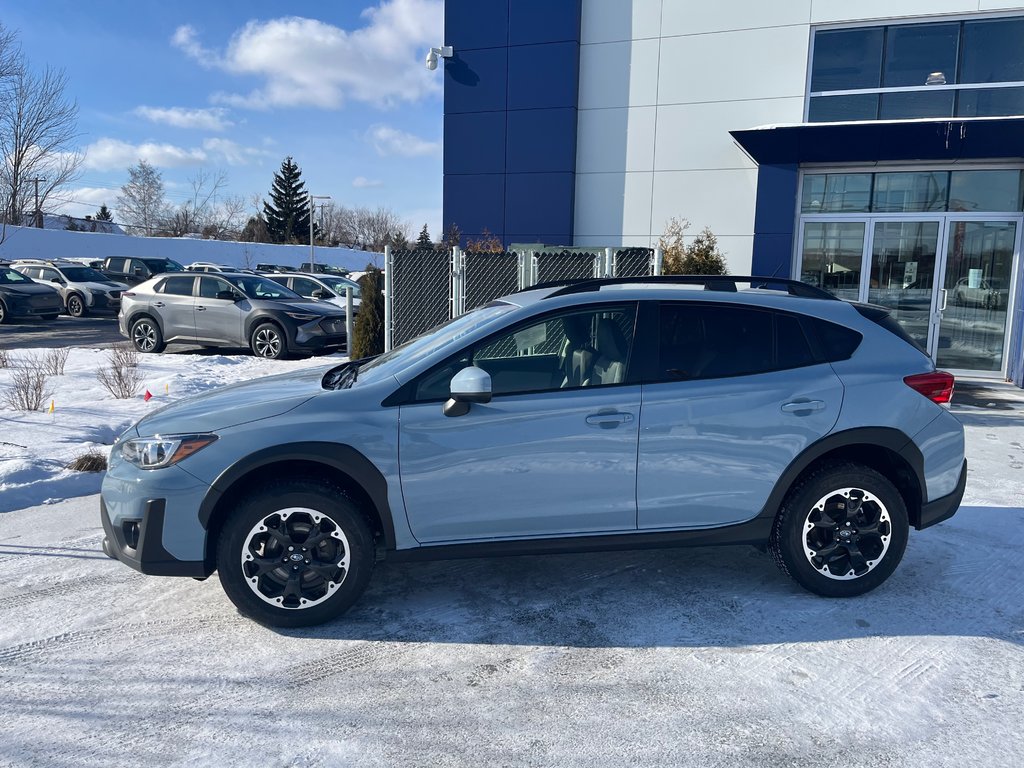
[[944, 508]]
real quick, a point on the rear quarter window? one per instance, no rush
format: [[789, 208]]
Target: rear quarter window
[[835, 342], [881, 317]]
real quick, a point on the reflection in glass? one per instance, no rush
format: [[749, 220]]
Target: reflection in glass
[[836, 109], [912, 104], [985, 191], [979, 257], [845, 59], [915, 191], [836, 192], [903, 272], [990, 102], [915, 51], [992, 51], [832, 253]]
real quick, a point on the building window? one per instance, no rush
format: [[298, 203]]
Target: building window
[[963, 69], [913, 192]]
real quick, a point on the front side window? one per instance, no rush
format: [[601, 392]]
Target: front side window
[[257, 287], [11, 276], [569, 350], [209, 287], [304, 287]]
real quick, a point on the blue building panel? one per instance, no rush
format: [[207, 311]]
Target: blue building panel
[[539, 206], [475, 202], [541, 140], [474, 142], [543, 76], [776, 191], [475, 24], [476, 81], [544, 21]]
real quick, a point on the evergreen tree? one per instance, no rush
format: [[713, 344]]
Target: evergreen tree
[[369, 326], [424, 241], [103, 214], [287, 215]]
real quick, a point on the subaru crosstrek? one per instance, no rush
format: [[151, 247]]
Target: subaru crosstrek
[[606, 414]]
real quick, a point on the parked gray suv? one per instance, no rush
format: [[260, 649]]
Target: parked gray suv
[[607, 414], [228, 309]]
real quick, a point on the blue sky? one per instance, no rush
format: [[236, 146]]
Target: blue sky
[[237, 86]]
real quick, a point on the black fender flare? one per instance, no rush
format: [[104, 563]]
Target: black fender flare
[[343, 458]]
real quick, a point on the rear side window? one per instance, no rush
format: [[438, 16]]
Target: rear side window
[[836, 342], [881, 317], [176, 286], [115, 265]]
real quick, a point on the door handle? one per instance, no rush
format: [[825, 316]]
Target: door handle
[[801, 407], [945, 296], [200, 309], [609, 420], [158, 304]]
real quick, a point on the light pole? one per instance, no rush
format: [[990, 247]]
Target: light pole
[[312, 258]]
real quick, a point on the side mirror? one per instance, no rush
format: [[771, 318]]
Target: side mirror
[[470, 385], [227, 295], [320, 293], [56, 280]]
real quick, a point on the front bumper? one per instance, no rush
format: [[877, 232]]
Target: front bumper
[[138, 542], [944, 508], [317, 335], [102, 301], [35, 306]]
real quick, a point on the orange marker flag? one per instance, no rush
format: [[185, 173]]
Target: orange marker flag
[[148, 396]]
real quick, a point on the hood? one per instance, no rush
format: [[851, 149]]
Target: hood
[[235, 404], [27, 289], [105, 285], [301, 305]]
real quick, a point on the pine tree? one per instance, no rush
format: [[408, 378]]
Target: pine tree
[[424, 241], [369, 327], [287, 215], [103, 214]]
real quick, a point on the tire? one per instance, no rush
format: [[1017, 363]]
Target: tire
[[295, 591], [76, 305], [4, 315], [146, 335], [268, 341], [810, 540]]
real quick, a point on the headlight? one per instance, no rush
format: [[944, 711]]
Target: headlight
[[157, 452], [301, 316]]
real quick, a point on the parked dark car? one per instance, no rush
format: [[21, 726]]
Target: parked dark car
[[22, 297], [134, 269]]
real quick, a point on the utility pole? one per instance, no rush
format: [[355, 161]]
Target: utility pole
[[312, 207], [37, 217]]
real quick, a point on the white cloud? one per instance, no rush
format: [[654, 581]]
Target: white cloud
[[234, 153], [83, 201], [306, 62], [110, 154], [361, 182], [211, 119], [391, 141]]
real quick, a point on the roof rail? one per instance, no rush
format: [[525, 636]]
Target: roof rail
[[710, 282]]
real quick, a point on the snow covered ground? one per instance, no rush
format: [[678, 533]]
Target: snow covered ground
[[705, 657]]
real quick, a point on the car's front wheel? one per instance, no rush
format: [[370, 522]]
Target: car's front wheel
[[76, 306], [268, 341], [841, 531], [295, 553]]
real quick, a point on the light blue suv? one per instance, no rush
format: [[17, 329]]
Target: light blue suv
[[605, 414]]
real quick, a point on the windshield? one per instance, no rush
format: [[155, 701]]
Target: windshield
[[163, 265], [256, 287], [339, 284], [83, 274], [444, 335], [8, 275]]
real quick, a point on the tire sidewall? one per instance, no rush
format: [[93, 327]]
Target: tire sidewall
[[323, 498], [282, 349], [76, 300], [156, 330], [4, 314], [788, 534]]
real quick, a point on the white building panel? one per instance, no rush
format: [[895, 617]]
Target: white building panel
[[738, 250], [696, 136], [728, 66], [619, 74], [615, 140], [722, 200], [836, 11], [690, 17], [999, 5], [611, 206], [605, 21]]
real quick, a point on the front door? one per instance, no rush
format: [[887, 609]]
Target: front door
[[554, 451], [218, 321]]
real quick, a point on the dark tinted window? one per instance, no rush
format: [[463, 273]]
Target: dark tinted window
[[160, 265], [837, 109], [209, 287], [791, 347], [846, 59], [921, 54], [992, 51], [304, 286], [912, 104], [835, 341], [709, 342], [177, 286], [985, 191], [990, 102], [116, 265]]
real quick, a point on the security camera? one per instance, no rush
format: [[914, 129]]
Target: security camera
[[444, 52]]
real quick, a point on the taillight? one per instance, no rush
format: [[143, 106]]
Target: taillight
[[127, 293], [937, 386]]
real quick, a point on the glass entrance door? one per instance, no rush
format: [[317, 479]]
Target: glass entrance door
[[902, 272], [975, 295]]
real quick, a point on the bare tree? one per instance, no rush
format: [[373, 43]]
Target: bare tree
[[198, 212], [373, 229], [141, 204], [38, 126]]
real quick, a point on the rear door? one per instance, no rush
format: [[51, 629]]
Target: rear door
[[174, 306], [735, 396]]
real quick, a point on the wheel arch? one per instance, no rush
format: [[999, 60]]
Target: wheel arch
[[888, 451], [340, 464], [140, 313]]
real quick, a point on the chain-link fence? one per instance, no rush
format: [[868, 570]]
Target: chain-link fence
[[423, 288]]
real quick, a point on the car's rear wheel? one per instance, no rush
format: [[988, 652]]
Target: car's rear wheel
[[76, 306], [295, 553], [268, 341], [841, 531], [146, 335]]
